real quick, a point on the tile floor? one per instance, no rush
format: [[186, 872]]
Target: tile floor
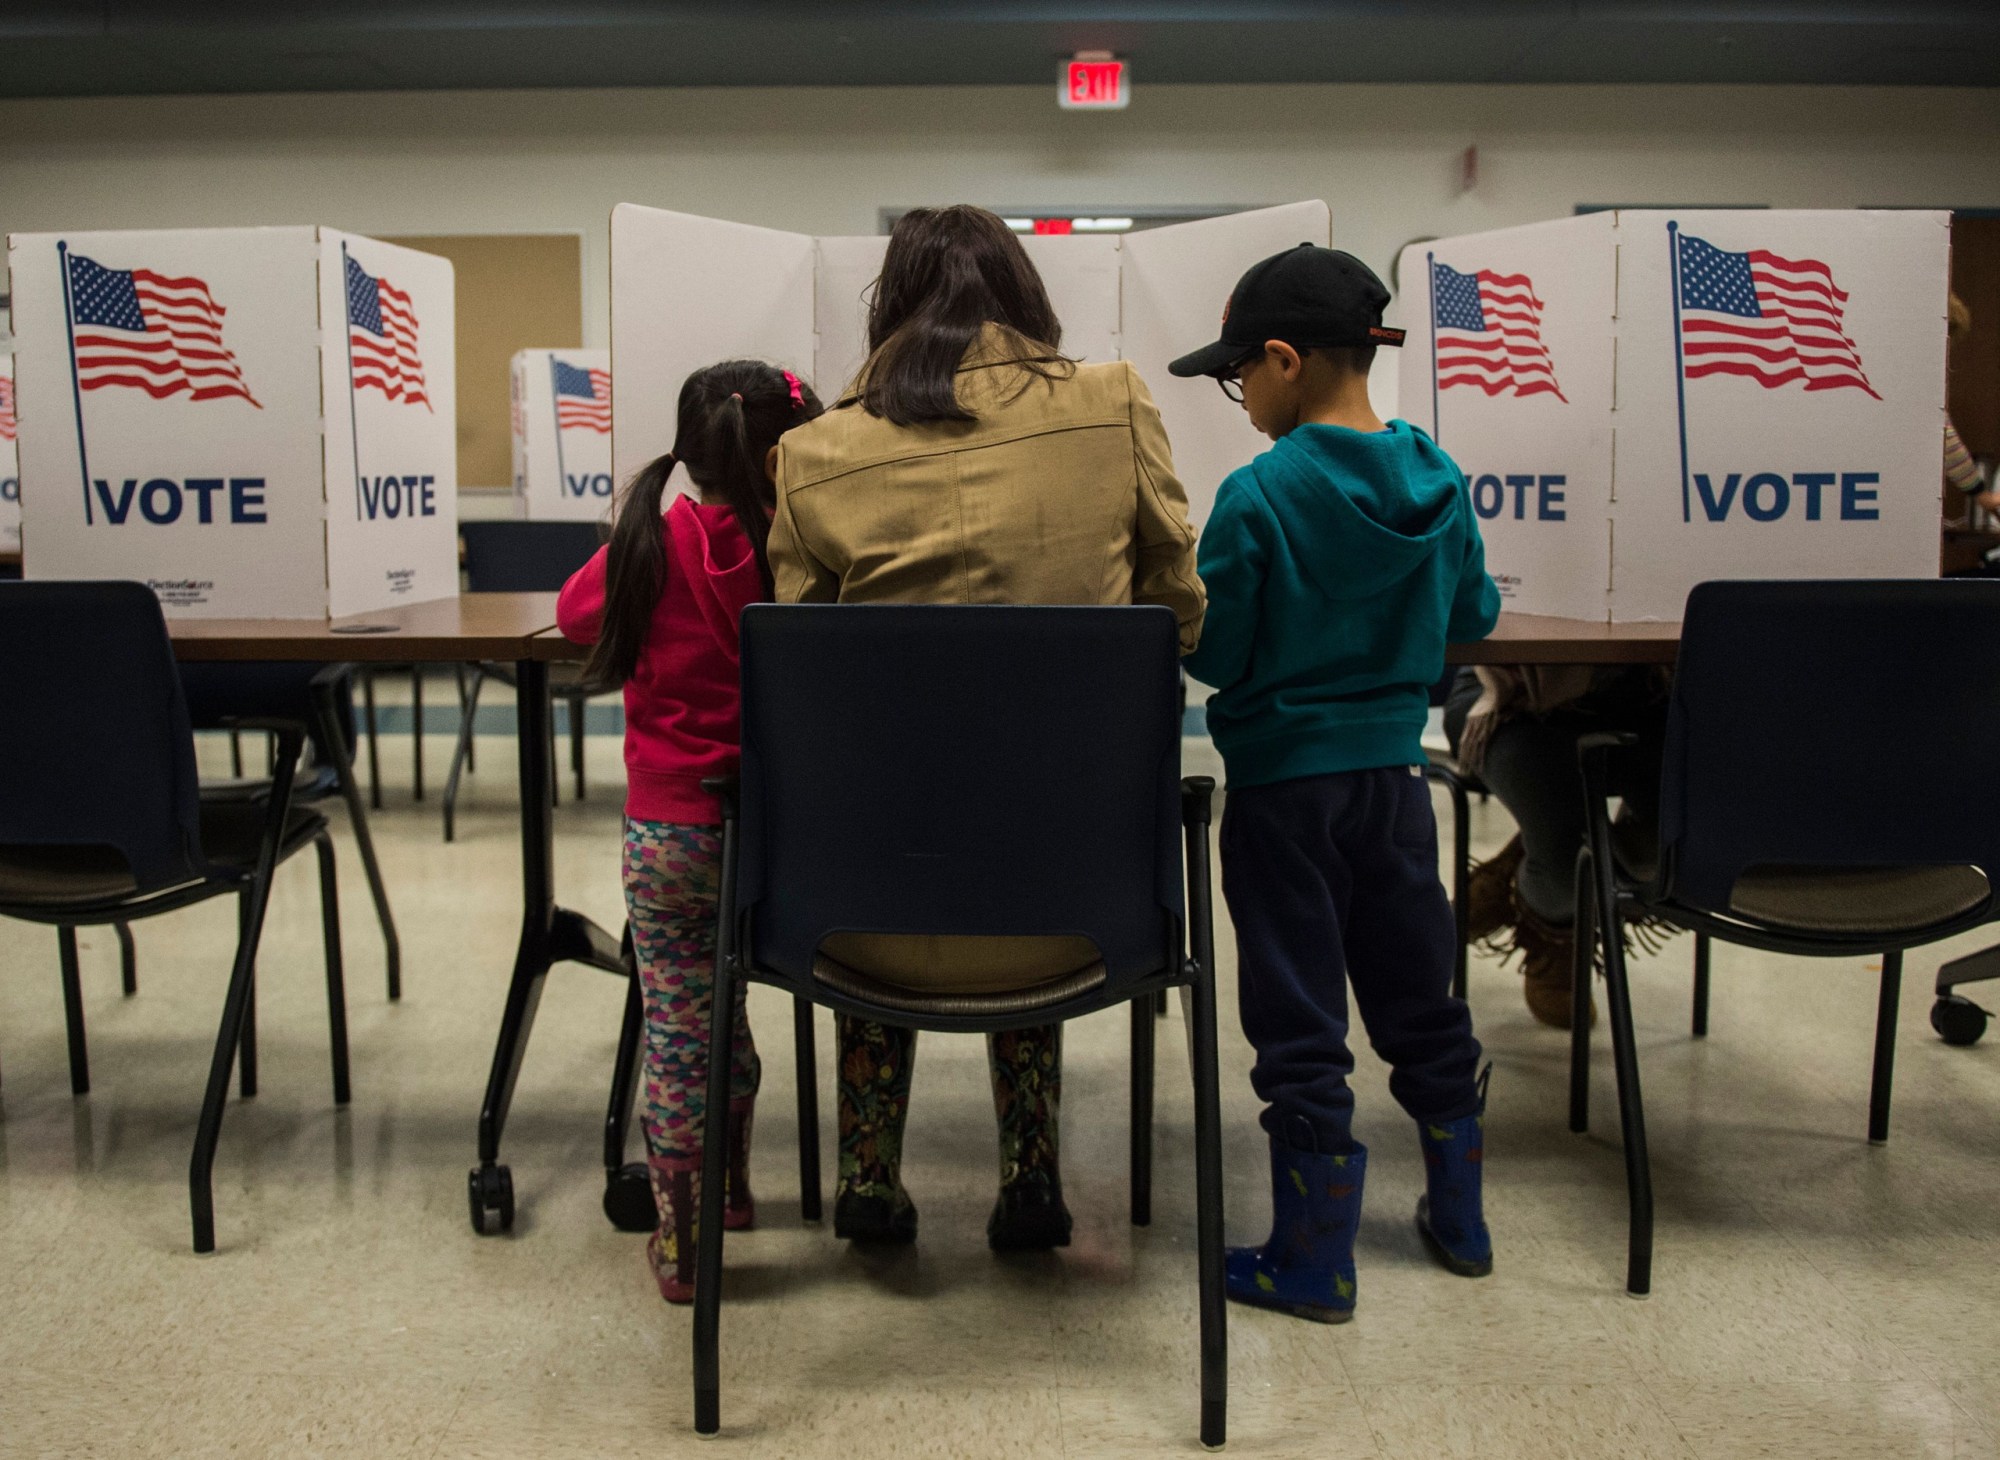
[[1814, 1297]]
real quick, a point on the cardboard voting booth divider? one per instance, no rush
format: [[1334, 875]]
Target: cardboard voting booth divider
[[10, 472], [562, 434], [257, 422], [1647, 399], [687, 291]]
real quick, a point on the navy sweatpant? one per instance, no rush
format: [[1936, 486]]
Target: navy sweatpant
[[1333, 880]]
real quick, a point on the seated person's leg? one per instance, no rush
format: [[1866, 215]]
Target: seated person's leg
[[874, 1069], [1026, 1066]]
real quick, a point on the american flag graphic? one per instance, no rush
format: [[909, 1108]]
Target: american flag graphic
[[583, 398], [6, 409], [1489, 333], [162, 335], [382, 335], [1759, 314]]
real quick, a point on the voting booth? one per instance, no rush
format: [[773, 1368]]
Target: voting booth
[[10, 472], [687, 291], [561, 402], [257, 422], [1645, 399]]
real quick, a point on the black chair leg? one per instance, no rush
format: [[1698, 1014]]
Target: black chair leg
[[236, 754], [229, 1037], [628, 1188], [1583, 971], [1631, 1106], [806, 1054], [576, 704], [1208, 1220], [128, 960], [1701, 955], [462, 756], [714, 1171], [1885, 1047], [1195, 820], [464, 709], [331, 735], [1160, 1004], [1461, 881], [624, 1077], [336, 978], [247, 1073], [1142, 1110], [337, 987], [374, 751], [416, 732], [201, 1194], [72, 983]]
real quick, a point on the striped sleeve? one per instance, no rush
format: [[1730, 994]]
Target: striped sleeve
[[1960, 470]]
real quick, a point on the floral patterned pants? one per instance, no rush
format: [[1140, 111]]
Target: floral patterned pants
[[876, 1062], [671, 880]]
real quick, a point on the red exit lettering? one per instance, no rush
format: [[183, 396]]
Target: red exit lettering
[[1094, 84]]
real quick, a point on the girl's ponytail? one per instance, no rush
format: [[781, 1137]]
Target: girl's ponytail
[[635, 574]]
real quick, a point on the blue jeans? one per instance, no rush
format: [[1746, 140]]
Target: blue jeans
[[1333, 880]]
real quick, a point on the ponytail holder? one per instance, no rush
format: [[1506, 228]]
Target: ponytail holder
[[737, 396], [798, 391]]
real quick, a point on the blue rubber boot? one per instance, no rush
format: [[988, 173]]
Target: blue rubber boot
[[1450, 1215], [1307, 1267]]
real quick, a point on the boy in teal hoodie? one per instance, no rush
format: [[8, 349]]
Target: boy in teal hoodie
[[1338, 565]]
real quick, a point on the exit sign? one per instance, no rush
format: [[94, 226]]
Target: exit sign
[[1095, 81]]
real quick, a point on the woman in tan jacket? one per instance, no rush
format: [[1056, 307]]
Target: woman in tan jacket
[[973, 463]]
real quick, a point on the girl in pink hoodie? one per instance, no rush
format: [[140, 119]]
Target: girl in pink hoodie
[[659, 606]]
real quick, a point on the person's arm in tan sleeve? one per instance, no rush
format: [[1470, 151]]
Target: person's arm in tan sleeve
[[796, 575], [1166, 540]]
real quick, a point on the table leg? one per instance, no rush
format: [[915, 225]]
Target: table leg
[[549, 935]]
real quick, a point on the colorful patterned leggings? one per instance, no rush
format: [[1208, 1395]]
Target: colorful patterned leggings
[[876, 1063], [671, 882]]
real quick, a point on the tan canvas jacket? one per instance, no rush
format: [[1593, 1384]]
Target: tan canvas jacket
[[1061, 492]]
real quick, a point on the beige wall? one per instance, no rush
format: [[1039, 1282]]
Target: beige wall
[[824, 160]]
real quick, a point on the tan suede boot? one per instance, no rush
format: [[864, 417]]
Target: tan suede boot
[[1489, 893], [1548, 964]]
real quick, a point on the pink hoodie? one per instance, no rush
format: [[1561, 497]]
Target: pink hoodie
[[682, 706]]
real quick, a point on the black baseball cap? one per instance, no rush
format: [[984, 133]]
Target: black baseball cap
[[1304, 296]]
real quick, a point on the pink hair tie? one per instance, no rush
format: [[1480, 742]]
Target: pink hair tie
[[798, 391]]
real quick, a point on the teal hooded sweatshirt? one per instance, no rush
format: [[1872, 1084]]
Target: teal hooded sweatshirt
[[1338, 565]]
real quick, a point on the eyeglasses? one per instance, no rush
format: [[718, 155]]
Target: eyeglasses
[[1231, 379]]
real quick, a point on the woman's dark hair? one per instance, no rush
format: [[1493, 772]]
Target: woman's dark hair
[[949, 272], [730, 416]]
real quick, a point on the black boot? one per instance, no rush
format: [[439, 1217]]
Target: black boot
[[1029, 1217]]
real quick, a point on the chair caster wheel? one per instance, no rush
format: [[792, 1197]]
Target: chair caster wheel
[[1958, 1020], [490, 1192], [628, 1198]]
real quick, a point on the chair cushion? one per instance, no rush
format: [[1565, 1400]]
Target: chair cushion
[[89, 876], [856, 985], [314, 782], [232, 832], [1858, 900], [64, 876]]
